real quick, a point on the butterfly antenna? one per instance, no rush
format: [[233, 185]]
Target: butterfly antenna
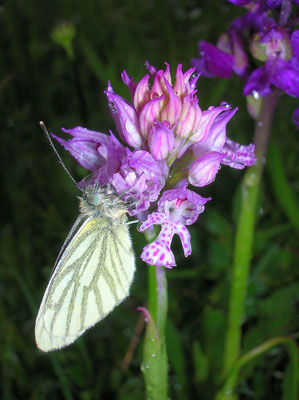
[[43, 126]]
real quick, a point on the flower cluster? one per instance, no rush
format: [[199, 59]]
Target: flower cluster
[[166, 143], [257, 39]]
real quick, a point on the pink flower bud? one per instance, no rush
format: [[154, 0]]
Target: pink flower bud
[[159, 76], [183, 85], [149, 115], [179, 86], [141, 94], [129, 81], [158, 83], [190, 117], [203, 171], [209, 121], [172, 110], [125, 118], [189, 80], [160, 141]]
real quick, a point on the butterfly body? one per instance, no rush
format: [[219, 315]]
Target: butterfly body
[[93, 272]]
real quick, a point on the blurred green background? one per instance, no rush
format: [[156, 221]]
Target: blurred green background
[[39, 81]]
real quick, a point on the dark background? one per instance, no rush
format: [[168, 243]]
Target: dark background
[[38, 81]]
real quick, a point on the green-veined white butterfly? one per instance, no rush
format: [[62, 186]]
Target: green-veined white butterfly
[[92, 274]]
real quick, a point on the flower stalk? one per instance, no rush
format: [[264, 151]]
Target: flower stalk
[[245, 234], [155, 362]]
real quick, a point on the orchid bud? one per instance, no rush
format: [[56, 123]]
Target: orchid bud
[[125, 118], [160, 141], [173, 108], [274, 43], [203, 171], [149, 115], [190, 117]]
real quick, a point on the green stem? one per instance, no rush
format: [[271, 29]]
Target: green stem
[[227, 391], [285, 197], [245, 234], [155, 365]]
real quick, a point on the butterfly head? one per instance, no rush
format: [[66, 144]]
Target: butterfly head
[[98, 202]]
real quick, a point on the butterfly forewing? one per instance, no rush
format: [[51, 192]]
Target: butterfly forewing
[[92, 276]]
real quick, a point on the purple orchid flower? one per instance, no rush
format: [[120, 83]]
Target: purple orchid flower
[[272, 43], [176, 209], [163, 129]]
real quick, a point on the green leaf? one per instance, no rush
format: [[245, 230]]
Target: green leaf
[[216, 224], [200, 362]]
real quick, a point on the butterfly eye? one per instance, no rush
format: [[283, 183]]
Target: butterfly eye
[[94, 199]]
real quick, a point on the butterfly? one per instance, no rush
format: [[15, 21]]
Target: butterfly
[[92, 274]]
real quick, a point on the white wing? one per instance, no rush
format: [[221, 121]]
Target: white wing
[[92, 276]]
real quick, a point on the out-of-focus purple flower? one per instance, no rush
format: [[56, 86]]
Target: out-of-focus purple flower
[[252, 21], [162, 129], [286, 77], [222, 60], [258, 82], [273, 43], [273, 3], [260, 3], [238, 50], [257, 36], [280, 69], [286, 73], [242, 2], [213, 62]]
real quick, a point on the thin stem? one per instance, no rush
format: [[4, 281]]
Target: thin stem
[[155, 364], [285, 197], [245, 234], [226, 393]]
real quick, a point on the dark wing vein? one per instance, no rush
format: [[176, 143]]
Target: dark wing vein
[[108, 254], [73, 269]]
